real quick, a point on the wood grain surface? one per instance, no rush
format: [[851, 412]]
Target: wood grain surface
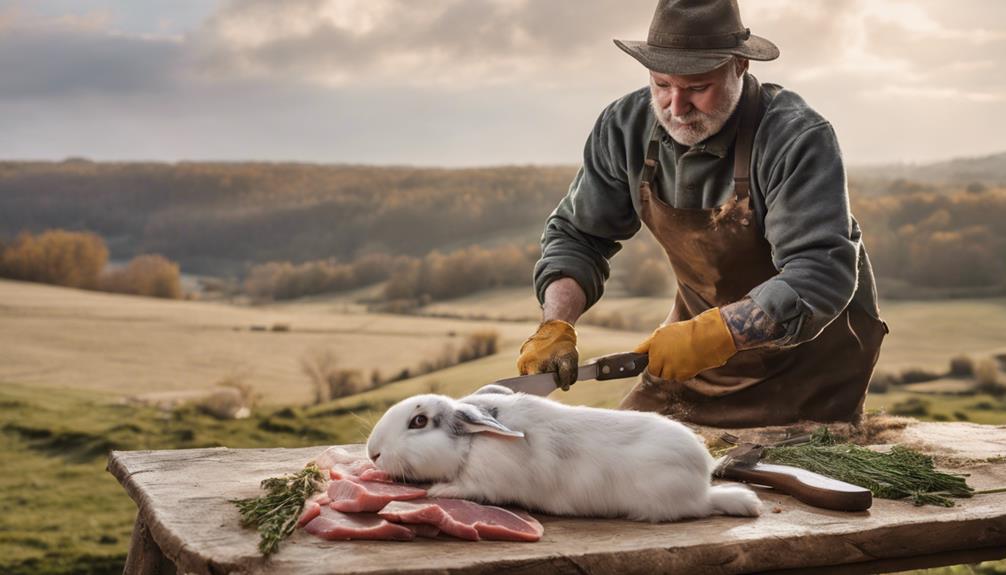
[[183, 500]]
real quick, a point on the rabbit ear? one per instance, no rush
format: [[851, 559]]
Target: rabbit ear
[[470, 419]]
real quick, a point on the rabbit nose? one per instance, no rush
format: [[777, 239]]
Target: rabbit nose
[[374, 457]]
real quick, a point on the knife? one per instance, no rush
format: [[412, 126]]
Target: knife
[[614, 366]]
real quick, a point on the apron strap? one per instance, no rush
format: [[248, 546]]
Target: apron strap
[[652, 154], [750, 116]]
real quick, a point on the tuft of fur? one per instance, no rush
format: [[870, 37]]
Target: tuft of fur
[[734, 500], [514, 448]]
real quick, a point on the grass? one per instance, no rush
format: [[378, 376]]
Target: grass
[[62, 513], [74, 354], [944, 407], [61, 337]]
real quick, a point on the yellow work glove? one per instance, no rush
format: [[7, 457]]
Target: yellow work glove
[[682, 349], [551, 349]]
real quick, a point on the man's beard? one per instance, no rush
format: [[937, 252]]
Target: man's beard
[[696, 126]]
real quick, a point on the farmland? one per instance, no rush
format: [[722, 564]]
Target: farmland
[[70, 358]]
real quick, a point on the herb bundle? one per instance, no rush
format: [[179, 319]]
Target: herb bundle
[[275, 514], [900, 473]]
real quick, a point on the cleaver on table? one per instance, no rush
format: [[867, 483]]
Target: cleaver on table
[[614, 366]]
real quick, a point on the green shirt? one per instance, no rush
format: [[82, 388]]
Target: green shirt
[[798, 193]]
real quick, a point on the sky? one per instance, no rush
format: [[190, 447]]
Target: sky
[[461, 82]]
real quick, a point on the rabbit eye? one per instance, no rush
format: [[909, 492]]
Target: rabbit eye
[[418, 422]]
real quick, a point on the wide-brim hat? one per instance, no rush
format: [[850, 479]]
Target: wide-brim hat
[[696, 36]]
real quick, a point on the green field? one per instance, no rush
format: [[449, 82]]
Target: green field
[[62, 513], [68, 358]]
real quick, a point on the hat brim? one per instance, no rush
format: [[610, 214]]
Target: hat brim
[[684, 62]]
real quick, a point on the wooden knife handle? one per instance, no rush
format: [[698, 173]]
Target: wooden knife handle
[[619, 365], [806, 486]]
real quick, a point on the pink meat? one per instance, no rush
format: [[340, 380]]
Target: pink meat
[[311, 510], [377, 475], [331, 524], [358, 495], [343, 465], [465, 519], [312, 507], [351, 470]]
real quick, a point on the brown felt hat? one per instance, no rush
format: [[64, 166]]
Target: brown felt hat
[[696, 36]]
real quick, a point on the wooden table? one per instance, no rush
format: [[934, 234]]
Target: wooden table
[[186, 522]]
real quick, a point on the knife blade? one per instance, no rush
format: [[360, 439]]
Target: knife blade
[[614, 366]]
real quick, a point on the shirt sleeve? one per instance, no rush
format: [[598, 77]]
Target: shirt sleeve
[[584, 230], [809, 227]]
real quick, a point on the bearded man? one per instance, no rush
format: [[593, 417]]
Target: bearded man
[[775, 318]]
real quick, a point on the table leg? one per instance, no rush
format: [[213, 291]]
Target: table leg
[[145, 557]]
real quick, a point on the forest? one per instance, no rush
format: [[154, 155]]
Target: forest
[[283, 231]]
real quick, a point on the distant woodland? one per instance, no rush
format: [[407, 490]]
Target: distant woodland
[[287, 230], [218, 218]]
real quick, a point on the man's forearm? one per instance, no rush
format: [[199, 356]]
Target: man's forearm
[[564, 299], [750, 325]]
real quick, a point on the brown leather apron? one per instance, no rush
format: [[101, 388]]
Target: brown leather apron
[[719, 255]]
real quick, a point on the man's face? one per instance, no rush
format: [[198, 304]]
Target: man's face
[[692, 108]]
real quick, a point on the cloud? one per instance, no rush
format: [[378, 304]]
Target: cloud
[[435, 42], [891, 47], [72, 56], [462, 82]]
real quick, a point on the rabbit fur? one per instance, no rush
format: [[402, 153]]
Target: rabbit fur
[[501, 447]]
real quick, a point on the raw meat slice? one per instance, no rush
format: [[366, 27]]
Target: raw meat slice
[[330, 524], [312, 507], [358, 495], [351, 470], [310, 511], [465, 519], [344, 465], [377, 475]]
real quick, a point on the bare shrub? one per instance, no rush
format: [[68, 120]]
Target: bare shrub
[[911, 407], [962, 366], [249, 396], [328, 380], [60, 257], [918, 375], [479, 344], [233, 399], [149, 275], [440, 276], [223, 403], [987, 378], [882, 381], [285, 280]]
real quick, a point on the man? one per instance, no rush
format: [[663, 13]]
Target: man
[[775, 318]]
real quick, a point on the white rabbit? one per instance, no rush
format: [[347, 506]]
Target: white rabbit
[[501, 447]]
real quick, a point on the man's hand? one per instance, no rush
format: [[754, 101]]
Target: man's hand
[[680, 350], [551, 349]]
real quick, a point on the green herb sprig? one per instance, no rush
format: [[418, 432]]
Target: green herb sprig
[[275, 514], [900, 473]]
